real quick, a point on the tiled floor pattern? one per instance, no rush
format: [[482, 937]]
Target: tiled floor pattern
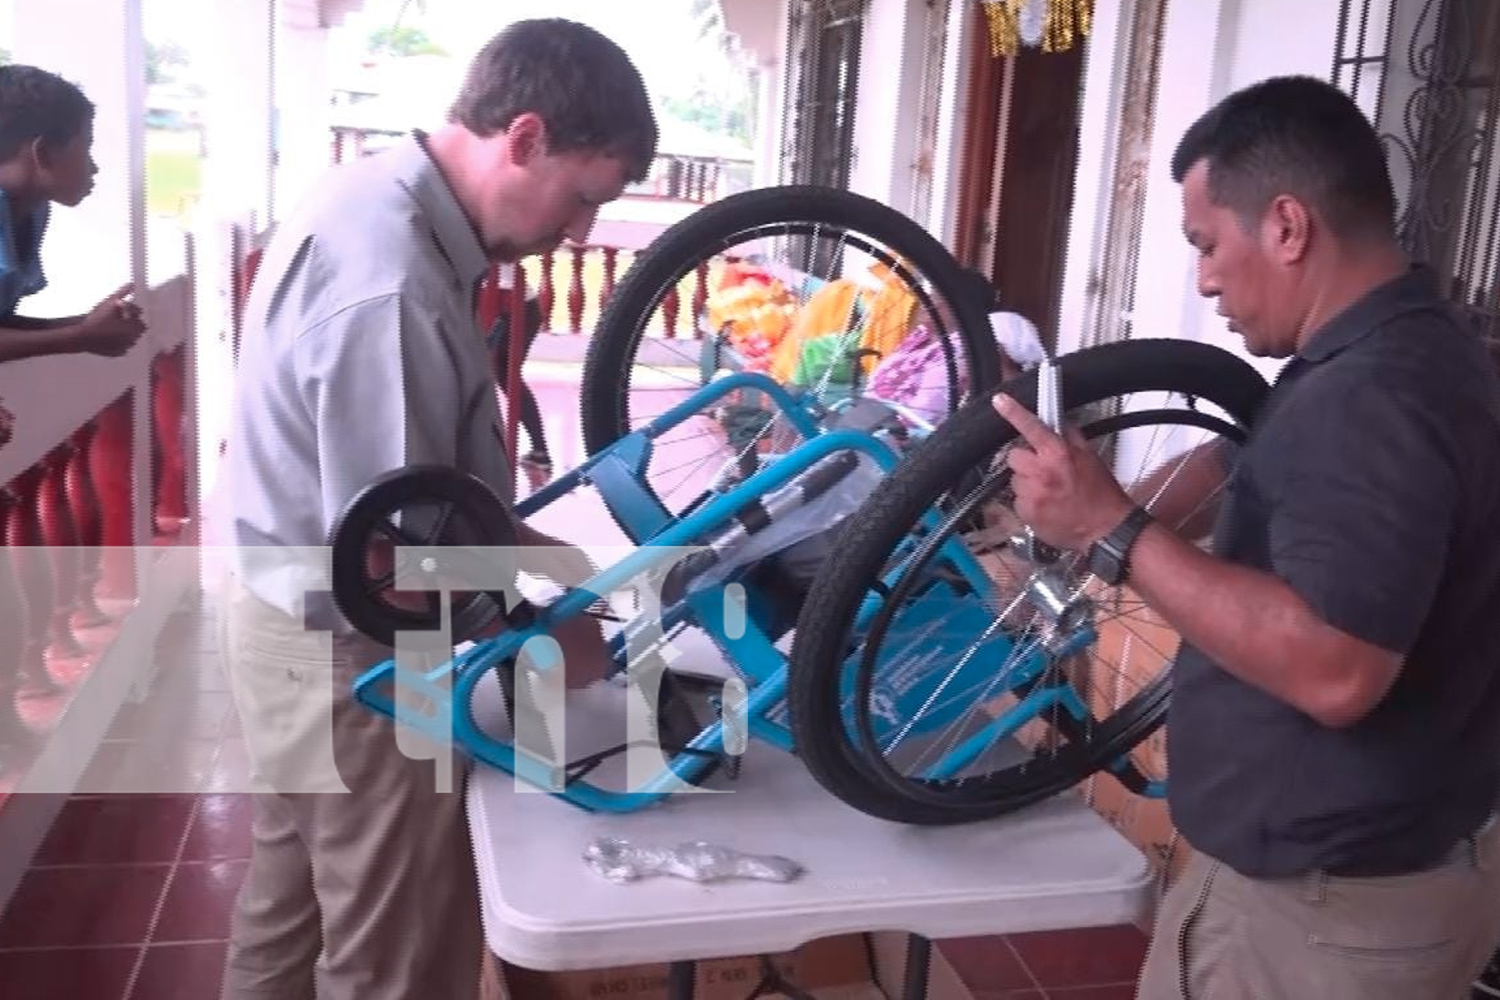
[[129, 898]]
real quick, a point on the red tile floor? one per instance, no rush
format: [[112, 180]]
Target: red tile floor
[[129, 897]]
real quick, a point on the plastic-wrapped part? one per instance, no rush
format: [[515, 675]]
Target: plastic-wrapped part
[[827, 493], [697, 861]]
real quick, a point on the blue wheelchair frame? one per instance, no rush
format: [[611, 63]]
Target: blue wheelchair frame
[[618, 473]]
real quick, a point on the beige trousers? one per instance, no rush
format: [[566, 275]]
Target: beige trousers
[[1427, 936], [362, 881]]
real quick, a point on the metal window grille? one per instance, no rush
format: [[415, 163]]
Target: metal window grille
[[1428, 74], [826, 37]]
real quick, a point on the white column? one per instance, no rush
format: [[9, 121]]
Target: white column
[[213, 379], [890, 85], [1209, 50], [1107, 61], [237, 191], [239, 119], [302, 89], [769, 101], [1197, 47], [953, 113]]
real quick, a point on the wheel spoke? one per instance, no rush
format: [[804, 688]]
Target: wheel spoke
[[896, 705]]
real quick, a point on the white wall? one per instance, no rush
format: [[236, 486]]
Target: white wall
[[1209, 49], [953, 113], [1106, 58], [1196, 51], [771, 123], [888, 102]]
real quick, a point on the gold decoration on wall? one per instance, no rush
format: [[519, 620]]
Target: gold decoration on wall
[[1064, 21]]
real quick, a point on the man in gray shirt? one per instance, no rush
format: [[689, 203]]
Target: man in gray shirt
[[361, 355], [1334, 740]]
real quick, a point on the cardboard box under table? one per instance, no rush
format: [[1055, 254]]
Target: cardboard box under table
[[860, 919]]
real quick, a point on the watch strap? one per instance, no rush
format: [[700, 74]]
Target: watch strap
[[1118, 543]]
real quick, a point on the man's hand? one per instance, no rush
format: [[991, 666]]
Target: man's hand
[[112, 327], [542, 555], [585, 651], [1064, 492]]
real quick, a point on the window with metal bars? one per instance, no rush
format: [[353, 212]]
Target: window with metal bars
[[1427, 72], [821, 92], [826, 38]]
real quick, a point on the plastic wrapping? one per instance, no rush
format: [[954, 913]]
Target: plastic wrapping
[[1018, 338], [697, 861]]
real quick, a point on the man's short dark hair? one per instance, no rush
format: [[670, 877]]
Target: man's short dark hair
[[578, 81], [36, 104], [1295, 135]]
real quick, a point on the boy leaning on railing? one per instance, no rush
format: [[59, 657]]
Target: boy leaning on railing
[[46, 131]]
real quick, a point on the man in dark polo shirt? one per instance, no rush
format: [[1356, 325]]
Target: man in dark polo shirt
[[1334, 743]]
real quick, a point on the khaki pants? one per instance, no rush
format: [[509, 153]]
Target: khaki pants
[[362, 881], [1222, 936]]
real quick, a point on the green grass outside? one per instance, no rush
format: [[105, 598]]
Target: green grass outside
[[174, 172]]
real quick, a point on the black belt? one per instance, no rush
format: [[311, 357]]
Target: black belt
[[1388, 869]]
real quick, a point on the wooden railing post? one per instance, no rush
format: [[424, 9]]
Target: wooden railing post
[[110, 466], [57, 534], [575, 291], [88, 526], [167, 389], [670, 304], [23, 537], [611, 255], [700, 298], [12, 623], [545, 293]]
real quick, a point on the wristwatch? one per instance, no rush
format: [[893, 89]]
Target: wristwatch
[[1109, 557]]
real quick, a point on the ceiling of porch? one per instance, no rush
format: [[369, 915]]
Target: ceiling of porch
[[756, 24], [317, 13]]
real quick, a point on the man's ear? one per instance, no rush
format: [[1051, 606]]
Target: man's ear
[[35, 154], [1286, 229], [526, 138]]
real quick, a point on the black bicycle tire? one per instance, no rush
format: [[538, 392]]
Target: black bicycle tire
[[958, 446], [604, 412]]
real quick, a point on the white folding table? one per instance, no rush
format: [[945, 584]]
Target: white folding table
[[1051, 866]]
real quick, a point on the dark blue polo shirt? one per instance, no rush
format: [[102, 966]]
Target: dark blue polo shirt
[[1370, 483], [20, 255]]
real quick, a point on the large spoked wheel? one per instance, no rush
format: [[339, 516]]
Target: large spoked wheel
[[453, 515], [942, 671], [815, 287]]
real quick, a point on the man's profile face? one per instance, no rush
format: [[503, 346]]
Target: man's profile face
[[570, 189], [66, 172], [549, 197], [1235, 268]]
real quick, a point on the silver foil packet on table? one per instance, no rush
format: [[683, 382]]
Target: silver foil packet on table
[[698, 861]]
